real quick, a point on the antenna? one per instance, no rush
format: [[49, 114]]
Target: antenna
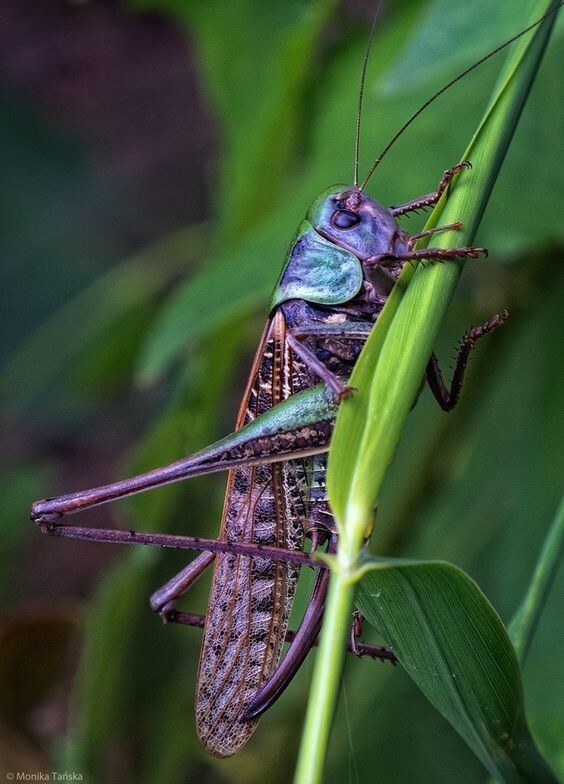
[[447, 86], [361, 91]]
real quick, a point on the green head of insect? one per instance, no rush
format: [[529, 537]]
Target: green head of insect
[[353, 220], [343, 228]]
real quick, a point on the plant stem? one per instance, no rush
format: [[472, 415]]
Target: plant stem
[[329, 665], [525, 620]]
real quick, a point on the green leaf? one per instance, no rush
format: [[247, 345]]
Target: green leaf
[[256, 60], [18, 483], [92, 315], [448, 37], [269, 85], [238, 279], [451, 641]]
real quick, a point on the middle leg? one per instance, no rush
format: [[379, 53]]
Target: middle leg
[[427, 233], [423, 254], [430, 198], [341, 331], [164, 599]]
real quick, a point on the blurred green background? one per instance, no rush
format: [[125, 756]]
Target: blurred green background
[[158, 156]]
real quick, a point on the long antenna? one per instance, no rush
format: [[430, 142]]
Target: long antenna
[[447, 86], [361, 92]]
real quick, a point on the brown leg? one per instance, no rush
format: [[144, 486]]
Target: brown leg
[[430, 254], [164, 599], [346, 331], [448, 398], [178, 542], [427, 233], [301, 645], [356, 632], [361, 649], [304, 639], [332, 381], [430, 198]]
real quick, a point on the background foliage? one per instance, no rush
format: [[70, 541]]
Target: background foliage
[[160, 156]]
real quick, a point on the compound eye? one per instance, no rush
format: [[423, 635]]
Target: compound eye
[[344, 219]]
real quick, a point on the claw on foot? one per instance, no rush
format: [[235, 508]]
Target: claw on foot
[[474, 253], [500, 318], [346, 392]]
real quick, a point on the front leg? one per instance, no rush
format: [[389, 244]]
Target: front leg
[[456, 226], [321, 371], [448, 398], [344, 331], [430, 198]]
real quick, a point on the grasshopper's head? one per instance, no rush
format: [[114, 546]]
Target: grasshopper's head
[[325, 263], [353, 220]]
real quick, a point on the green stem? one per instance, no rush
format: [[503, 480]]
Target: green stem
[[525, 620], [327, 677]]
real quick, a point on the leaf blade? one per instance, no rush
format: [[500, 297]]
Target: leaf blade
[[452, 643]]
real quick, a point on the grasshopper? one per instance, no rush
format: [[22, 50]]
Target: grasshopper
[[338, 273]]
